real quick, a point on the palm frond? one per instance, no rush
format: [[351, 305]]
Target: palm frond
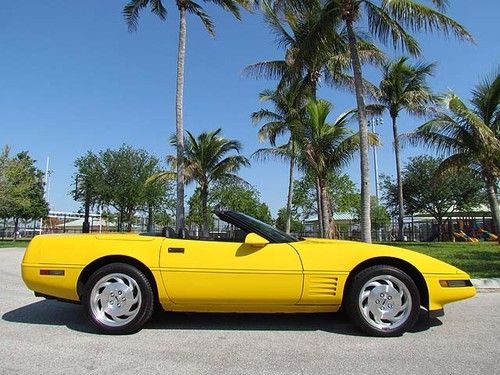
[[381, 24], [196, 9], [273, 69], [420, 17], [131, 12]]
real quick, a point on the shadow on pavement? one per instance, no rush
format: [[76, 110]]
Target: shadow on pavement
[[49, 312]]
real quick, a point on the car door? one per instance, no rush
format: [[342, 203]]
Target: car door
[[215, 272]]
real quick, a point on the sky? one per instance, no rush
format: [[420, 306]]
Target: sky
[[74, 79]]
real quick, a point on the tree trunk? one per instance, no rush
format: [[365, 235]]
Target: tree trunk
[[326, 210], [16, 227], [179, 97], [366, 235], [440, 228], [150, 218], [320, 209], [290, 197], [401, 210], [495, 210], [204, 211]]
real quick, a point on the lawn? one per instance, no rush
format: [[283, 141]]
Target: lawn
[[10, 243], [480, 260]]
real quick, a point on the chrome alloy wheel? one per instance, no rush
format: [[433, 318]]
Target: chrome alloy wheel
[[385, 302], [115, 300]]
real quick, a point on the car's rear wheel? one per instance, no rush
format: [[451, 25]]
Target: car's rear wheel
[[383, 301], [118, 299]]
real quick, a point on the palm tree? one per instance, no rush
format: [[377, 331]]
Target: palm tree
[[288, 108], [206, 162], [131, 12], [316, 49], [326, 147], [387, 21], [403, 87], [469, 137]]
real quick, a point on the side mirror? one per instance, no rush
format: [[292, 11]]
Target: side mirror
[[255, 240]]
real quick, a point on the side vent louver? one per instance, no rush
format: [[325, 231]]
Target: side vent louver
[[322, 286]]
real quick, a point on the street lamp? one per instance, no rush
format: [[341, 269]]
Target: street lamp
[[80, 179], [375, 121]]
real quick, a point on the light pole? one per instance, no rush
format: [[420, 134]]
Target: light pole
[[373, 122], [81, 179]]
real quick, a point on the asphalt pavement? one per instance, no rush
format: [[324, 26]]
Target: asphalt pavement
[[48, 337]]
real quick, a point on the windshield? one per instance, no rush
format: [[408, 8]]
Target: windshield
[[265, 230]]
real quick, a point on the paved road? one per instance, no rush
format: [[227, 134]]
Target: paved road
[[39, 336]]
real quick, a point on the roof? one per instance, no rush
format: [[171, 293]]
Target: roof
[[337, 216]]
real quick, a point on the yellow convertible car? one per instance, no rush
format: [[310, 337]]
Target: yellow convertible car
[[250, 267]]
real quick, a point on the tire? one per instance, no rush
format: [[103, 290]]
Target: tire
[[118, 299], [383, 301]]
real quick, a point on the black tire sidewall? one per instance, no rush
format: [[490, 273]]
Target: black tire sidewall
[[147, 304], [355, 314]]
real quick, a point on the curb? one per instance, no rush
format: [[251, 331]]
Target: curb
[[486, 284]]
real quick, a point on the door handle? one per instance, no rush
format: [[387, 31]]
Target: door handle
[[176, 250]]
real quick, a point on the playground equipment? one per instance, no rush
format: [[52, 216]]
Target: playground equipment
[[488, 236], [463, 236]]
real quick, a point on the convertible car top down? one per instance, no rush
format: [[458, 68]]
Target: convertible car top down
[[251, 267]]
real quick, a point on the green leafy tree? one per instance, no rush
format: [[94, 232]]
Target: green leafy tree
[[341, 190], [131, 12], [380, 216], [281, 221], [159, 200], [207, 161], [240, 196], [425, 192], [469, 137], [404, 87], [22, 189], [229, 194]]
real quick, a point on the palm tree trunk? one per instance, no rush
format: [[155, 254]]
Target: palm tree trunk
[[290, 197], [320, 209], [401, 210], [495, 210], [179, 97], [204, 211], [366, 235], [325, 208], [150, 218]]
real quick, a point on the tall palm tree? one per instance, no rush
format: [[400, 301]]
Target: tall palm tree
[[288, 108], [404, 87], [131, 12], [327, 147], [387, 21], [469, 137], [206, 161], [316, 49]]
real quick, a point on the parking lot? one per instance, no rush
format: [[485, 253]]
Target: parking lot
[[40, 336]]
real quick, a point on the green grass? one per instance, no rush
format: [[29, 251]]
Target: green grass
[[10, 243], [480, 259]]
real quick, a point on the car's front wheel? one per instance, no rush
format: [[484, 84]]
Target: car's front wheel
[[118, 299], [383, 301]]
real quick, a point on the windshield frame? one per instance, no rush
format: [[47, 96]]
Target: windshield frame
[[253, 225]]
